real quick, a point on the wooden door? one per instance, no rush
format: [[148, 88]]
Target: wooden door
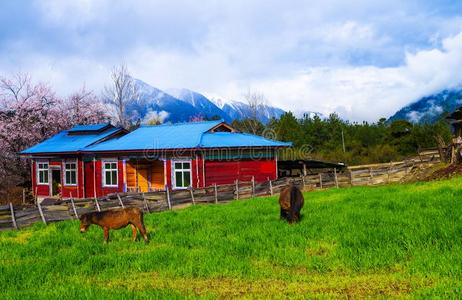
[[143, 178], [157, 175]]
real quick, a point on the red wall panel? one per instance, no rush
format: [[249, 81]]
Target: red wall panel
[[100, 190], [93, 170], [73, 191], [41, 189], [168, 168], [226, 172], [88, 180]]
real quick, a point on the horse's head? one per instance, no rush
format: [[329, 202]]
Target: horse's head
[[85, 222]]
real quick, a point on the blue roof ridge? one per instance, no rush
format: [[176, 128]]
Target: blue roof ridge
[[255, 135], [184, 123], [88, 126]]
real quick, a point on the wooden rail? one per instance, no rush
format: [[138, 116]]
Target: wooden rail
[[373, 174]]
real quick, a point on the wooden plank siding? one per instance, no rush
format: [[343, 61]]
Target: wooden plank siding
[[145, 176]]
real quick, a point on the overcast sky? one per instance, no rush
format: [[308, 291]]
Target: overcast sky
[[362, 59]]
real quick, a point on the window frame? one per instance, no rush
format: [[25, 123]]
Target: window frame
[[75, 170], [38, 170], [104, 170], [183, 171]]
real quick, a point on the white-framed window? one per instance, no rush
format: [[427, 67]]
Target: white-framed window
[[42, 173], [70, 173], [110, 173], [181, 171]]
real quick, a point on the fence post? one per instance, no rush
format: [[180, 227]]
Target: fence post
[[23, 196], [191, 190], [145, 203], [120, 201], [97, 204], [388, 172], [303, 183], [270, 186], [216, 193], [12, 216], [335, 177], [237, 189], [168, 197], [35, 196], [74, 209], [73, 206], [253, 186], [351, 177], [41, 213], [320, 180]]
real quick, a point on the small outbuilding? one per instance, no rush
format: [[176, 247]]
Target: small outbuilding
[[455, 118], [96, 160]]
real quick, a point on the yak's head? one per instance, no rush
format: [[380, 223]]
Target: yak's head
[[84, 222]]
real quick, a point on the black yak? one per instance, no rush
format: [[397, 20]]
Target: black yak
[[291, 202], [115, 219]]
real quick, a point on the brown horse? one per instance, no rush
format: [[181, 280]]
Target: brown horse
[[291, 202], [115, 219]]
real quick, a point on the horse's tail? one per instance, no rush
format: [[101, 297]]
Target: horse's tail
[[293, 197], [142, 217], [295, 203]]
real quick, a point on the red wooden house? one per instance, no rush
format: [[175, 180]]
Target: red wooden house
[[95, 160]]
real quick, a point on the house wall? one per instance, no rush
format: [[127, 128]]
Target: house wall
[[77, 191], [102, 190], [205, 171], [39, 190], [227, 171]]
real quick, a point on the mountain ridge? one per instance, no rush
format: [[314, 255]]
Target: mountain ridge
[[182, 105], [431, 108]]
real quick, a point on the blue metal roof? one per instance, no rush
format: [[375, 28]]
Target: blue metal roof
[[234, 139], [90, 127], [156, 137], [159, 137], [63, 142], [183, 136]]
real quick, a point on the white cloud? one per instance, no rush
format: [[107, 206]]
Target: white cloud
[[367, 93], [361, 59]]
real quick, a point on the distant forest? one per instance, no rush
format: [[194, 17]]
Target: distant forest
[[362, 143]]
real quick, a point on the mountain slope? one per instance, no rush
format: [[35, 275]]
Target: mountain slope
[[429, 109], [151, 99], [239, 110], [181, 105], [205, 106]]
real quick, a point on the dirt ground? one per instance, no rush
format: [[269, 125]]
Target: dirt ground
[[435, 172], [447, 171]]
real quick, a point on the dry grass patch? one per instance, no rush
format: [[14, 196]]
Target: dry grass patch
[[316, 285]]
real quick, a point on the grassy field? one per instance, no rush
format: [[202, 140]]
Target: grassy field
[[391, 241]]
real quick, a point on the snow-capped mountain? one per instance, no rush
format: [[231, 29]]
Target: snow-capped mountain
[[207, 107], [150, 99], [240, 110], [430, 108], [181, 105]]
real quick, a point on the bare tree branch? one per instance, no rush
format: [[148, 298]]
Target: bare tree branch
[[121, 90], [257, 103]]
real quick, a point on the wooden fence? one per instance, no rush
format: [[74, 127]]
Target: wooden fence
[[15, 217]]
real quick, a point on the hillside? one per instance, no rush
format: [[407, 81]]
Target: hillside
[[430, 108], [389, 241], [180, 105]]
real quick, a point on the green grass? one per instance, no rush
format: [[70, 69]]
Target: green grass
[[391, 241]]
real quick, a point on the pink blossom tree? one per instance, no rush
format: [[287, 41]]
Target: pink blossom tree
[[30, 113], [83, 107]]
